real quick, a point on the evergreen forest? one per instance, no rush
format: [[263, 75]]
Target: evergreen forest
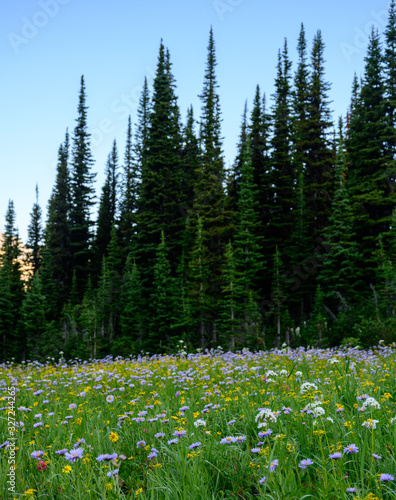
[[294, 245]]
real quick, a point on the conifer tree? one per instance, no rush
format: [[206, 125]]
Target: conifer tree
[[35, 234], [57, 254], [301, 105], [107, 206], [318, 178], [82, 194], [163, 302], [161, 174], [12, 287], [209, 202], [129, 199], [371, 194], [340, 276], [34, 323], [133, 311], [282, 172], [278, 295], [198, 286]]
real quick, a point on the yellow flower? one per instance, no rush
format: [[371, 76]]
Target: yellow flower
[[137, 492], [29, 492], [113, 437], [109, 486], [67, 469]]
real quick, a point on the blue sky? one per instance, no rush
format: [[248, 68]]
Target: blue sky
[[46, 45]]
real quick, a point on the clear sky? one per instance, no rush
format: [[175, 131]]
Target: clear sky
[[46, 45]]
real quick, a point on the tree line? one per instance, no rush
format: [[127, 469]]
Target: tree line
[[295, 244]]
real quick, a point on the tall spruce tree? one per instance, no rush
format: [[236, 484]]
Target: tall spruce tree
[[340, 276], [57, 254], [209, 202], [130, 188], [319, 158], [282, 171], [12, 288], [82, 194], [107, 206], [35, 235], [161, 175], [369, 165]]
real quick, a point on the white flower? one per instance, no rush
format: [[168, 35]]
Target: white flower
[[371, 403], [306, 386], [271, 373], [333, 360], [298, 374], [283, 373], [262, 424], [392, 420], [330, 420], [200, 423], [370, 424], [318, 411], [266, 414]]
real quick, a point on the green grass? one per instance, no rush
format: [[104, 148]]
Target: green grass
[[218, 388]]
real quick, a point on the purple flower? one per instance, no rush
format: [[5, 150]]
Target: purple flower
[[264, 434], [37, 392], [153, 454], [184, 408], [112, 473], [110, 399], [141, 444], [231, 422], [80, 441], [195, 445], [179, 433], [273, 465], [386, 477], [61, 452], [377, 457], [6, 443], [335, 455], [37, 424], [159, 435], [173, 441], [37, 454], [262, 480], [72, 406], [228, 439], [351, 448], [238, 439], [351, 490], [304, 463], [74, 455], [255, 450]]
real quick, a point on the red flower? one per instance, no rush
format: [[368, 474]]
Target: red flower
[[42, 465]]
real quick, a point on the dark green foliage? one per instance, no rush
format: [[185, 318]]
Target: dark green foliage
[[159, 202], [309, 218], [82, 194], [11, 287], [133, 311], [34, 323], [107, 207], [282, 171], [57, 254], [341, 272], [163, 306], [35, 235]]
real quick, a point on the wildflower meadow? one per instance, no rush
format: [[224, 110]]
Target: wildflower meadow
[[279, 424]]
